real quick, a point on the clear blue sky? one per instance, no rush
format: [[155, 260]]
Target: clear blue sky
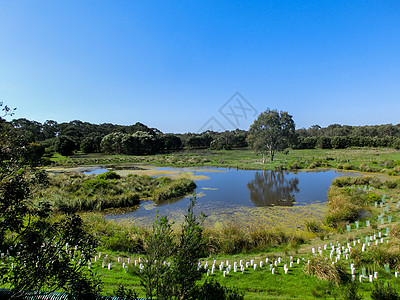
[[174, 64]]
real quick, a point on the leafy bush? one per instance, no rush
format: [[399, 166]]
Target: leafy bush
[[125, 293], [373, 197], [108, 175], [212, 289], [178, 278], [350, 291], [391, 184], [94, 185], [123, 242]]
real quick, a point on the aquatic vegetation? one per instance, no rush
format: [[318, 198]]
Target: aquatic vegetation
[[174, 189]]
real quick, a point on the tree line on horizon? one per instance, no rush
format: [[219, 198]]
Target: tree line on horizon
[[139, 139]]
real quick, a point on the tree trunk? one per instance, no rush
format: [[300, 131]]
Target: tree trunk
[[271, 154], [263, 158]]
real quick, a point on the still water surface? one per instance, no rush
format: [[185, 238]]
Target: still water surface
[[231, 189]]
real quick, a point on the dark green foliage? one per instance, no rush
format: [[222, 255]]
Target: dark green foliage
[[177, 278], [213, 290], [33, 154], [396, 143], [350, 291], [112, 143], [108, 175], [65, 145], [340, 142], [324, 142], [391, 184], [88, 137], [272, 131], [137, 143], [123, 242], [91, 143], [40, 253], [155, 275], [190, 248], [220, 144], [171, 142], [340, 137], [125, 293], [384, 292], [201, 141]]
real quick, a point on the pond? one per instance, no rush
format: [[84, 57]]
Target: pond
[[240, 196]]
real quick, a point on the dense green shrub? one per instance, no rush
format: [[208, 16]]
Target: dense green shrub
[[123, 242], [350, 291], [373, 197], [108, 175], [94, 185], [349, 181], [391, 184], [384, 292], [212, 289]]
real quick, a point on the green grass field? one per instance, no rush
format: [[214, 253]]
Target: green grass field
[[365, 159]]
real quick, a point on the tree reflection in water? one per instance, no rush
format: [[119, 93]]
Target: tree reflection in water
[[272, 188]]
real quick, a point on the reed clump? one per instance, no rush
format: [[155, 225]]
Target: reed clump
[[321, 268], [232, 239], [173, 189], [115, 236], [345, 206]]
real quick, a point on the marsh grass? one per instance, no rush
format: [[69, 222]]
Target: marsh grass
[[233, 239], [345, 206], [78, 192]]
